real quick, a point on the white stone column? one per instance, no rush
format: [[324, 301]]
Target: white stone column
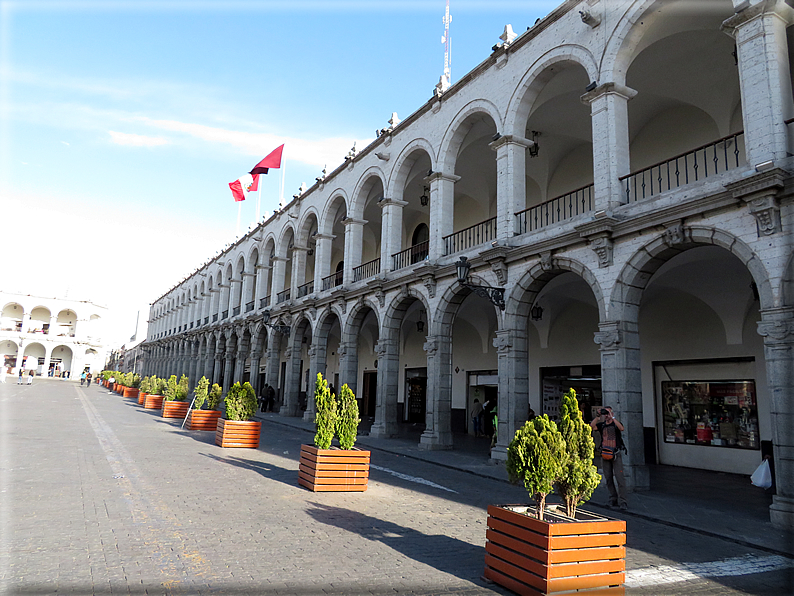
[[322, 259], [777, 328], [511, 192], [273, 360], [317, 355], [762, 50], [291, 382], [610, 119], [512, 402], [621, 387], [279, 271], [248, 292], [385, 424], [442, 210], [438, 416], [354, 238], [391, 231], [262, 280], [298, 269]]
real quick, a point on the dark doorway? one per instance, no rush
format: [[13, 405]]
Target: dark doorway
[[369, 394], [280, 392], [416, 395]]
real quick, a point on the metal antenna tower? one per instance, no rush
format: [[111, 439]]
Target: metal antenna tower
[[446, 41]]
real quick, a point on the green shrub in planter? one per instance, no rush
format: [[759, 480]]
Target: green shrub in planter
[[171, 389], [347, 420], [240, 402], [182, 388], [146, 385], [325, 403], [535, 458], [214, 397], [200, 393], [579, 477], [136, 381]]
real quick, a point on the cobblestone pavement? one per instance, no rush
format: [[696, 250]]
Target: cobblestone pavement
[[100, 496]]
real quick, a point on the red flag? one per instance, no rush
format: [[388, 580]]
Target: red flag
[[237, 191], [273, 160], [255, 184]]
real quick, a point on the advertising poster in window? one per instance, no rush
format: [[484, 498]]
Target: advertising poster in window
[[713, 413]]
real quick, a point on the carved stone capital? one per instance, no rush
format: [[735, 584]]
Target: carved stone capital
[[767, 215], [602, 247], [777, 327], [547, 261], [430, 284], [608, 338], [503, 341], [676, 234], [430, 346]]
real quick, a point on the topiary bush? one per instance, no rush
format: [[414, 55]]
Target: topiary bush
[[214, 397], [171, 389], [182, 388], [347, 420], [579, 477], [325, 402], [535, 458], [136, 381], [200, 393], [240, 402]]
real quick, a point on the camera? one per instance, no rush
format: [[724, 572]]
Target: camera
[[603, 411]]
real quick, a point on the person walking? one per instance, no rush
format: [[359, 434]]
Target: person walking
[[82, 378], [19, 379], [612, 447], [88, 379], [30, 377], [476, 417]]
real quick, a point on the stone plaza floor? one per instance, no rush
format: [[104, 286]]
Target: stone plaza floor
[[100, 496]]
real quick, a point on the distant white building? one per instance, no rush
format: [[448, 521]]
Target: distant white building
[[51, 334]]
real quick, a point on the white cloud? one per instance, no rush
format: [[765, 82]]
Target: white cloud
[[65, 143], [133, 140], [320, 152]]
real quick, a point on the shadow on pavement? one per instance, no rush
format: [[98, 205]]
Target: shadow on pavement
[[444, 553], [266, 470]]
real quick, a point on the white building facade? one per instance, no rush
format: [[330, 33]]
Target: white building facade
[[50, 335], [621, 170]]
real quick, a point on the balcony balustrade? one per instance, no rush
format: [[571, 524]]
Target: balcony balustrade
[[368, 269], [410, 256], [305, 289], [235, 311], [249, 306], [224, 314], [264, 302], [282, 296], [333, 280], [708, 160], [556, 210], [479, 233]]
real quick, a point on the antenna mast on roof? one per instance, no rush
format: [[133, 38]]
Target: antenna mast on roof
[[445, 40]]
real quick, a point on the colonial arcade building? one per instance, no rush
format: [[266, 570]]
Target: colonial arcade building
[[622, 170]]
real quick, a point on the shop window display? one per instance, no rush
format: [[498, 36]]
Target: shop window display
[[714, 413]]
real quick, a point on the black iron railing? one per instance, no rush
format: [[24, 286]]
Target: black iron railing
[[479, 233], [366, 270], [305, 289], [235, 311], [224, 314], [556, 210], [206, 320], [711, 159], [410, 256], [333, 280], [249, 306], [215, 318], [264, 302], [282, 296]]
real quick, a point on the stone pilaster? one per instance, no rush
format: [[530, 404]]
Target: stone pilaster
[[385, 424], [391, 234], [510, 182], [513, 404], [621, 386], [442, 210], [777, 329], [609, 113], [438, 418]]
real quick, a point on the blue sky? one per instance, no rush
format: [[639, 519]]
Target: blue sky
[[124, 122]]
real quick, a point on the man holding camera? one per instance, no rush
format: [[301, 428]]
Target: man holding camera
[[611, 457]]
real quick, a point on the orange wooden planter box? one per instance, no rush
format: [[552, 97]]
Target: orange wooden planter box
[[338, 470], [534, 557], [175, 409], [153, 402], [203, 419], [131, 392], [237, 433], [142, 397]]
